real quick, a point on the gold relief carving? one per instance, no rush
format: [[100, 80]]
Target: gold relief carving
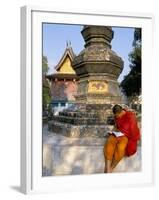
[[97, 87]]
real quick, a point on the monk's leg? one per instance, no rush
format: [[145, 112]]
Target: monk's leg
[[109, 149], [119, 151]]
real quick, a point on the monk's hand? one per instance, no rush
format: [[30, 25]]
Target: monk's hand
[[115, 129], [109, 132]]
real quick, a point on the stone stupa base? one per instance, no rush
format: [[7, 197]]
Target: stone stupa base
[[70, 130], [93, 120]]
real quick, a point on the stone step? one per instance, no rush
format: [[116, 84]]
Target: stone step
[[78, 114], [79, 120], [84, 130]]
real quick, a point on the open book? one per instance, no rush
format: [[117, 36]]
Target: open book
[[117, 133]]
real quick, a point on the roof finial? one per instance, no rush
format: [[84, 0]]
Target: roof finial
[[67, 43]]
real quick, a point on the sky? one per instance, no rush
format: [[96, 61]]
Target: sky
[[55, 37]]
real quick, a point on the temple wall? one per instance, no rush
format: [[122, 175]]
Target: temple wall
[[63, 90]]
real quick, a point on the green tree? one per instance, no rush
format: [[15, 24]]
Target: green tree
[[131, 84], [46, 97], [45, 67]]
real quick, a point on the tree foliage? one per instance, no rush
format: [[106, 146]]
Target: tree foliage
[[45, 67], [46, 97], [131, 84]]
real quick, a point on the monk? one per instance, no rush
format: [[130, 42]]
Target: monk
[[122, 141]]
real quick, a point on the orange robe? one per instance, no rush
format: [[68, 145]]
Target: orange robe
[[127, 124]]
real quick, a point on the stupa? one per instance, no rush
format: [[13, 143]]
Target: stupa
[[98, 68]]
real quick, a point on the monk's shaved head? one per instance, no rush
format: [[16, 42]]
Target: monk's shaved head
[[117, 109]]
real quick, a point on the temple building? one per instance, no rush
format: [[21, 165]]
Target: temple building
[[64, 82]]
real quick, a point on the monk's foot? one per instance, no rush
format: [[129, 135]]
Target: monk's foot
[[105, 170], [109, 170]]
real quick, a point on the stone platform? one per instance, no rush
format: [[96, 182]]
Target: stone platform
[[83, 120], [67, 156], [76, 131]]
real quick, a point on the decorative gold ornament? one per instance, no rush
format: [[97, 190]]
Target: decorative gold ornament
[[97, 87]]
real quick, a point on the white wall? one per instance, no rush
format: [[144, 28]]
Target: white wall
[[10, 95]]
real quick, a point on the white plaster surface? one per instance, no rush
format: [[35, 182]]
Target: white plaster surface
[[64, 156]]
